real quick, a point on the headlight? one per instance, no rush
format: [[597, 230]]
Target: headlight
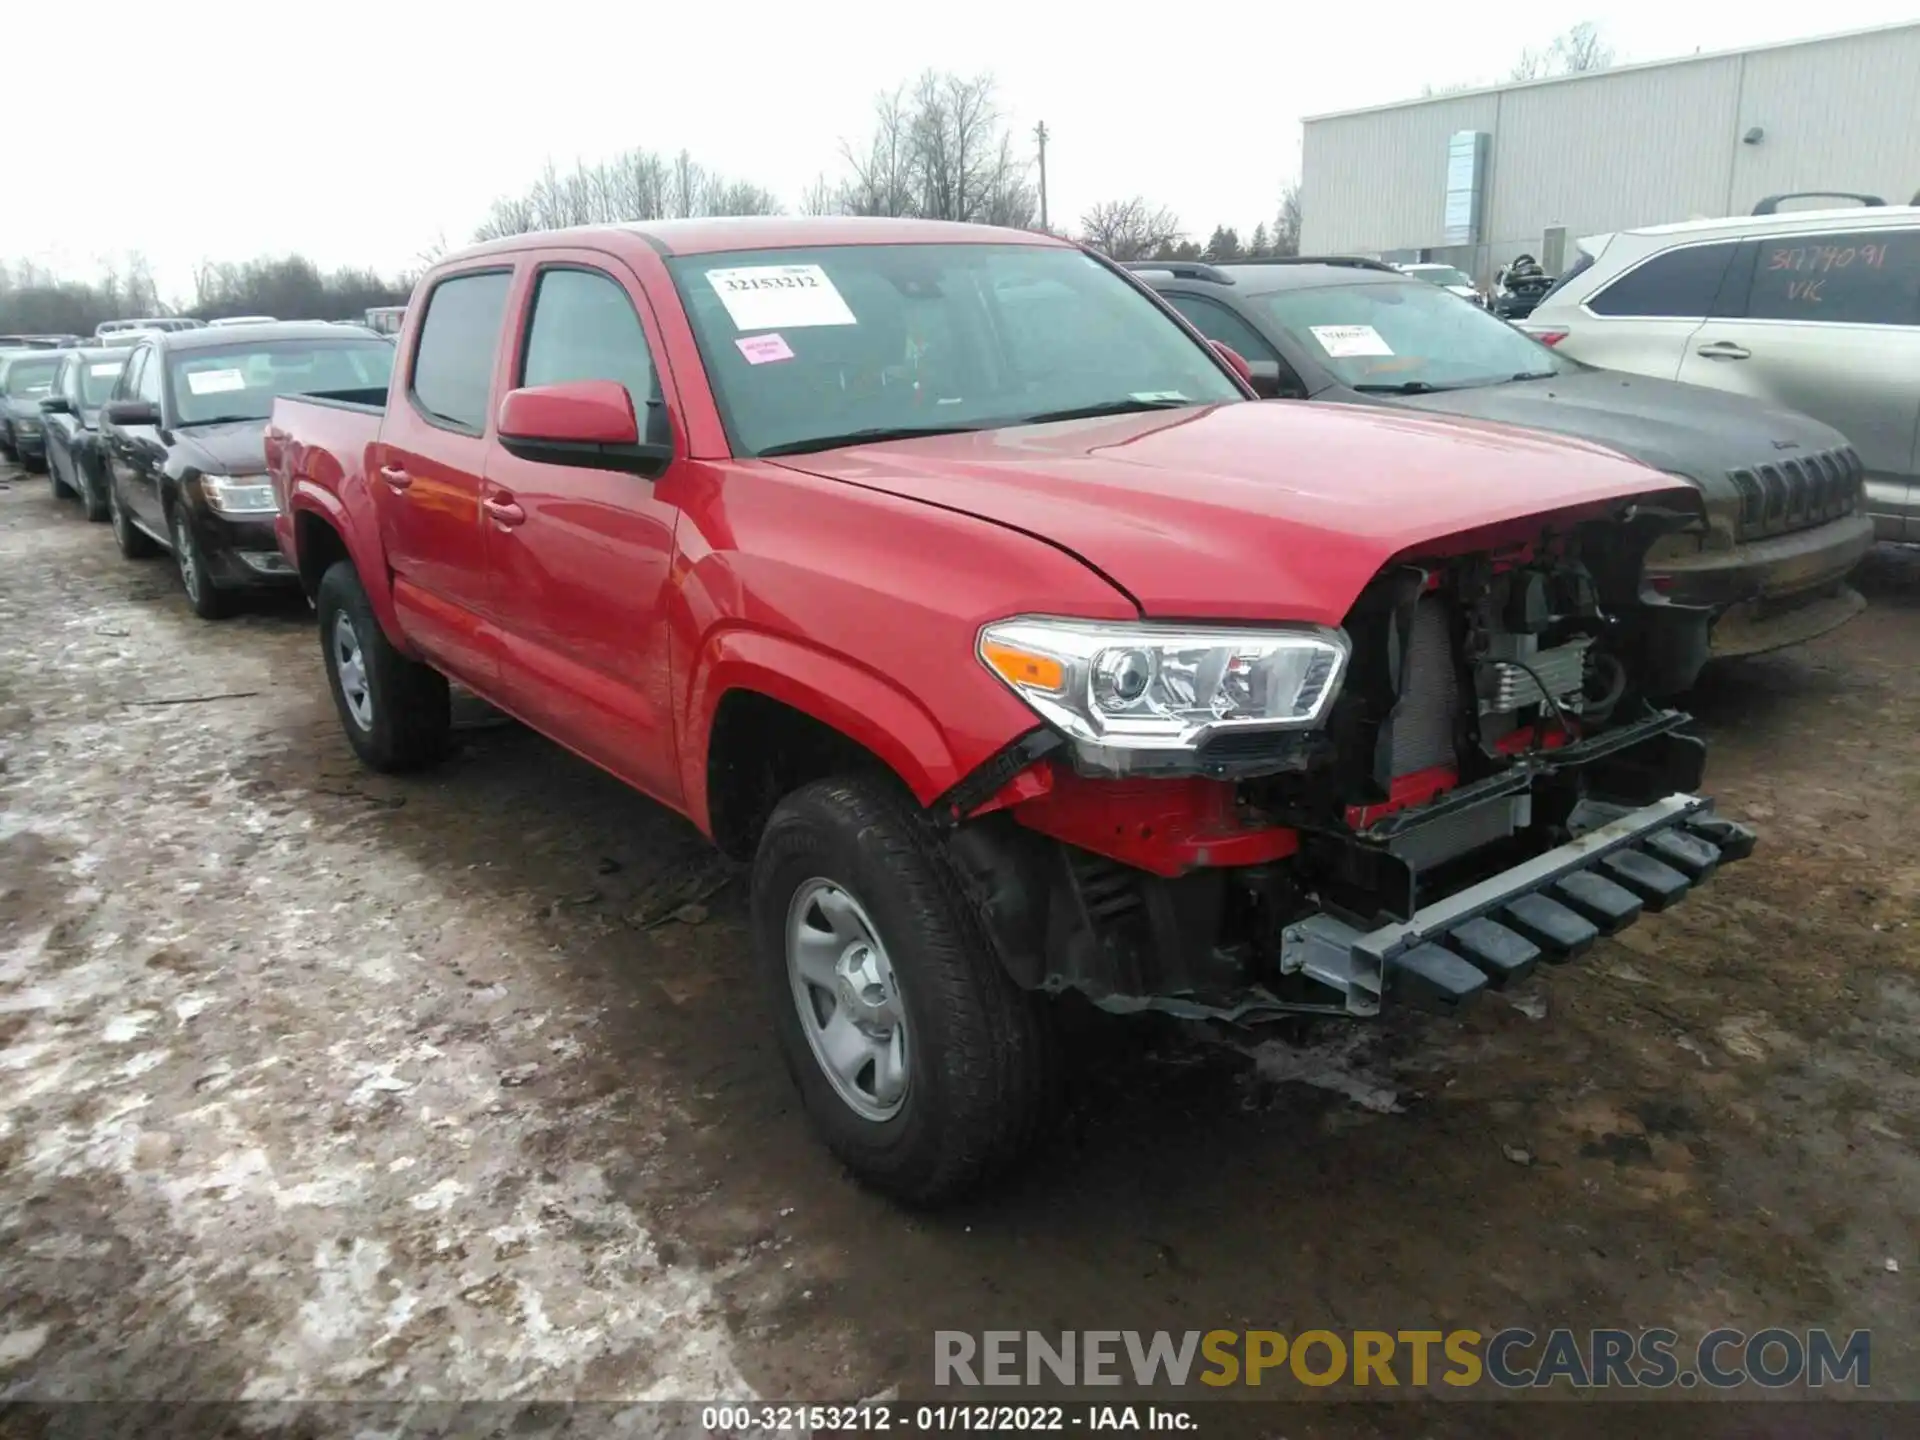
[[238, 494], [1138, 696], [27, 427]]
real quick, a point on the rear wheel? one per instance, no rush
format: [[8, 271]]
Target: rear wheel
[[134, 543], [925, 1069], [209, 601], [396, 711]]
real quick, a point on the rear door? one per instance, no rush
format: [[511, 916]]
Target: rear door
[[1828, 323], [1644, 320], [427, 469], [583, 557]]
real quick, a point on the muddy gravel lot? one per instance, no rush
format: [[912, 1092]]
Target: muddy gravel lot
[[321, 1084]]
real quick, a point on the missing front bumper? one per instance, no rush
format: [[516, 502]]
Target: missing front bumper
[[1620, 862]]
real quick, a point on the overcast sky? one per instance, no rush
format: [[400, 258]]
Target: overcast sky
[[359, 132]]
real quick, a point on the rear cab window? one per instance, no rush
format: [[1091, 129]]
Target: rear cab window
[[453, 359]]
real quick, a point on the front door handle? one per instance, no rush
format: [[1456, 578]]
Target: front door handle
[[503, 512], [1725, 350], [397, 479]]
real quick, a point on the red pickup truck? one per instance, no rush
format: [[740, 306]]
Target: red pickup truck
[[953, 579]]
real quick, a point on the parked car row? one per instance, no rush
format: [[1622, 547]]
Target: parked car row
[[959, 581]]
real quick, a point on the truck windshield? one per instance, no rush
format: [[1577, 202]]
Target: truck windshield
[[239, 381], [807, 348], [1406, 336]]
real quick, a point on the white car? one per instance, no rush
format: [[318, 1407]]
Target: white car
[[1813, 310], [1446, 277]]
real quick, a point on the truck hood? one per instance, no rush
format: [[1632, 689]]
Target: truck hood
[[1682, 429], [1249, 511]]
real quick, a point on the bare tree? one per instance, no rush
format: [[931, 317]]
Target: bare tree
[[1577, 51], [1129, 229], [820, 198], [634, 185], [1581, 50], [1286, 225], [939, 150]]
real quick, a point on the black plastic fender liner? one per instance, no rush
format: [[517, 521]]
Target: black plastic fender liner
[[986, 779]]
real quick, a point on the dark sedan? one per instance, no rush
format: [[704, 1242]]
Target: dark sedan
[[1780, 525], [25, 377], [71, 416], [183, 439]]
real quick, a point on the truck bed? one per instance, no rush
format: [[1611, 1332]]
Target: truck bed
[[322, 440]]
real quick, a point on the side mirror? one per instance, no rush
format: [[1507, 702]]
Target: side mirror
[[588, 423], [130, 412], [1235, 359], [55, 405]]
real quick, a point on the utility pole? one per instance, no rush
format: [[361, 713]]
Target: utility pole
[[1040, 134]]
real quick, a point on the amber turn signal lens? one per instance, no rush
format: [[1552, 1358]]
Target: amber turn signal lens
[[1025, 667]]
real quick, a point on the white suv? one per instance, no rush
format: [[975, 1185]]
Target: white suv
[[1816, 310]]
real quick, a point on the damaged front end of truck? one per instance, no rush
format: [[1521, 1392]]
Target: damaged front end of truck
[[1474, 773]]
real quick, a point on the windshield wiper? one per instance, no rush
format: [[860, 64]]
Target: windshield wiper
[[1129, 406], [1402, 387], [220, 420], [1535, 375], [863, 437]]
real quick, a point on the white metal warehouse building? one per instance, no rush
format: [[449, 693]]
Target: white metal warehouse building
[[1476, 177]]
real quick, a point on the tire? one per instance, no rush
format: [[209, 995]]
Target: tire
[[92, 491], [34, 465], [396, 712], [61, 490], [209, 601], [976, 1053], [6, 444], [134, 543]]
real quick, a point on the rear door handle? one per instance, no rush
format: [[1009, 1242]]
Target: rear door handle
[[503, 512], [396, 478], [1725, 350]]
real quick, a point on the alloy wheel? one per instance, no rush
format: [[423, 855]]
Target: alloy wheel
[[350, 665]]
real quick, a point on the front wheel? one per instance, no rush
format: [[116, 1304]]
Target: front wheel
[[923, 1066], [209, 601], [396, 712], [93, 489], [60, 488]]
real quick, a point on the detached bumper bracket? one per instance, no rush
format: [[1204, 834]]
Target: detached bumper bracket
[[1554, 905]]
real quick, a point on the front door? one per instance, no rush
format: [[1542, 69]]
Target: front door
[[581, 556], [426, 471], [135, 453]]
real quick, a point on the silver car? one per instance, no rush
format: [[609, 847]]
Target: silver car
[[1814, 310]]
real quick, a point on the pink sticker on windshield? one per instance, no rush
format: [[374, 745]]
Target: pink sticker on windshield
[[759, 349]]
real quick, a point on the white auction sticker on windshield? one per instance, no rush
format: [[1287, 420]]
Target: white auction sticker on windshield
[[1343, 342], [779, 297], [215, 382], [101, 372]]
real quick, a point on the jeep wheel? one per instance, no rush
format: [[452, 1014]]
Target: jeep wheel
[[396, 711], [923, 1066]]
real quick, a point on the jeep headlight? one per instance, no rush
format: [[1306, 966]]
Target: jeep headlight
[[1145, 695]]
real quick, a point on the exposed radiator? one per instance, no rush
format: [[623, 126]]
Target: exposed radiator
[[1423, 722]]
